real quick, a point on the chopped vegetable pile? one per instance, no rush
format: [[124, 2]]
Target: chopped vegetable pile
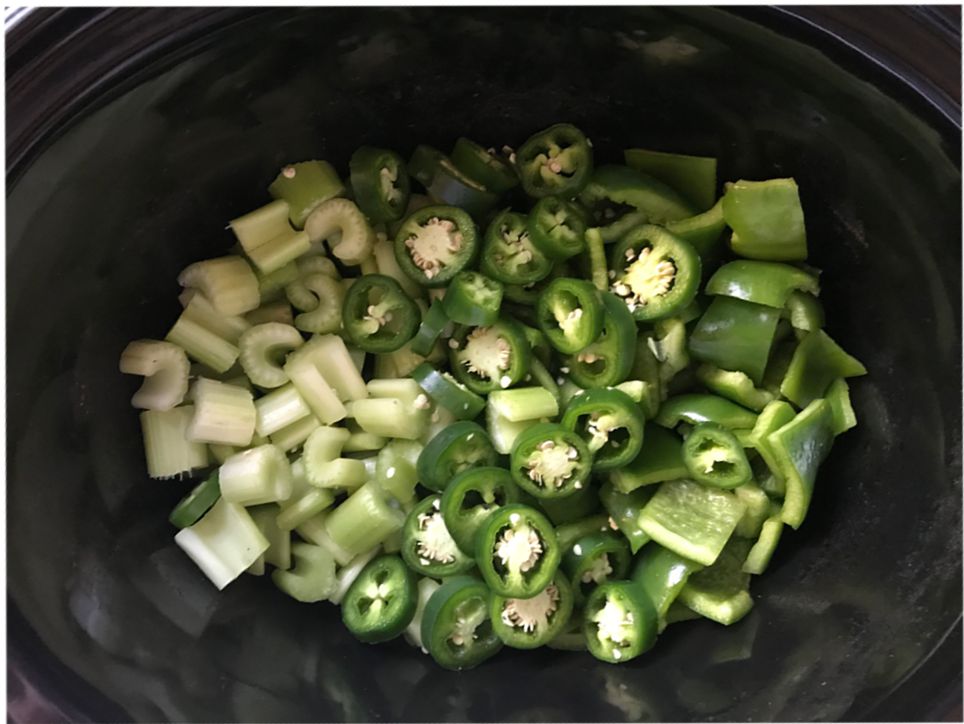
[[546, 402]]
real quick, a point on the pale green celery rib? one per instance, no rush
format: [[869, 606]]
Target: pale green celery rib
[[401, 388], [524, 403], [348, 574], [292, 436], [263, 347], [220, 453], [413, 632], [259, 475], [280, 409], [198, 309], [279, 251], [313, 531], [271, 286], [279, 312], [362, 441], [223, 414], [228, 282], [312, 579], [314, 388], [389, 417], [261, 225], [203, 345], [323, 314], [304, 508], [165, 369], [342, 217], [279, 549], [167, 450], [329, 354], [387, 264], [503, 431], [363, 520], [342, 473]]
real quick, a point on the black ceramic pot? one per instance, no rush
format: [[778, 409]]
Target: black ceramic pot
[[133, 135]]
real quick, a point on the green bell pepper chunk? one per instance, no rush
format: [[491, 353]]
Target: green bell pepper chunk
[[304, 186], [646, 368], [549, 461], [313, 577], [624, 509], [761, 282], [767, 220], [448, 392], [484, 166], [758, 508], [557, 228], [659, 460], [380, 183], [555, 162], [693, 409], [459, 447], [763, 549], [434, 243], [619, 622], [528, 623], [517, 551], [693, 176], [491, 357], [456, 628], [703, 231], [714, 457], [471, 497], [774, 416], [720, 592], [735, 335], [570, 314], [817, 362], [381, 602], [427, 546], [608, 360], [378, 316], [509, 254], [451, 187], [838, 397], [472, 298], [735, 386], [595, 559], [674, 358], [662, 574], [610, 423], [804, 312], [196, 503], [433, 323], [564, 511]]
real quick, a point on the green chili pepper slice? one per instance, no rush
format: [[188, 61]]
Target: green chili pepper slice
[[549, 461], [196, 503], [693, 409], [661, 459], [455, 449], [714, 457], [427, 546], [595, 559], [624, 509], [693, 176], [736, 335], [435, 243], [555, 162], [570, 314], [485, 166], [378, 315], [767, 220], [563, 511], [656, 274], [456, 628], [453, 188], [380, 183], [517, 551], [448, 392], [817, 362], [609, 359], [423, 164], [736, 386], [662, 574], [527, 623], [610, 423], [471, 497], [490, 357], [473, 298], [619, 622], [704, 232], [557, 228], [509, 254], [381, 602], [569, 533], [433, 322], [762, 282]]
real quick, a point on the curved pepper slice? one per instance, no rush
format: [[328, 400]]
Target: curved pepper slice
[[703, 231], [610, 423], [452, 187], [656, 273], [767, 220], [720, 592], [380, 183], [624, 509], [455, 449], [804, 311], [549, 461], [761, 282], [693, 409], [736, 386], [527, 623], [570, 314], [692, 176], [662, 574], [456, 629], [472, 298], [714, 457], [817, 361], [423, 164], [609, 359], [378, 315], [661, 459], [490, 357], [517, 551], [619, 622], [484, 166], [380, 603], [557, 228], [427, 546], [196, 503], [736, 335], [555, 162], [433, 322], [471, 497], [562, 511], [509, 253], [435, 243], [595, 559], [447, 392]]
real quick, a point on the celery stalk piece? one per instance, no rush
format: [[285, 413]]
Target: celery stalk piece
[[396, 469], [368, 265], [317, 393], [351, 571], [228, 282], [261, 225], [389, 417], [259, 475], [597, 259], [304, 508], [324, 468], [202, 344], [405, 389], [320, 299], [313, 576], [223, 543], [317, 262], [222, 452], [303, 186], [257, 568], [358, 357], [343, 218], [292, 436], [363, 520], [503, 431], [524, 403], [198, 309], [439, 419], [313, 531], [167, 450], [271, 286], [413, 632], [323, 445], [263, 349], [361, 441], [278, 252], [165, 370], [279, 549], [384, 253], [223, 414], [279, 312], [329, 354], [279, 410], [299, 480]]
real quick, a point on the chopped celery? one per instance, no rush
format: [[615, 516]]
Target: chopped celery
[[405, 389], [314, 388], [363, 520], [198, 309], [165, 370], [361, 441], [351, 571], [413, 632], [330, 357], [395, 469], [279, 251], [721, 591], [303, 186], [228, 282], [279, 312], [223, 414], [524, 403], [292, 436], [343, 225], [222, 452], [313, 576], [271, 286], [304, 508], [319, 298], [168, 452], [279, 410], [263, 349], [279, 550], [202, 344], [259, 475], [389, 417], [387, 264], [503, 431], [261, 225], [313, 531]]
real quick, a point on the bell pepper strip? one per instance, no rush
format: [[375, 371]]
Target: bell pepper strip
[[758, 508], [774, 486], [516, 551], [662, 574], [595, 559], [692, 520], [435, 243], [448, 392], [619, 622], [312, 578], [490, 357], [508, 253], [804, 312], [624, 509], [841, 410], [380, 183], [767, 220], [671, 352], [570, 314], [305, 185], [557, 228], [610, 423], [816, 363], [527, 623], [759, 556], [656, 273], [735, 335], [704, 232], [456, 628], [453, 188], [660, 459], [381, 602], [692, 176], [484, 166], [608, 360], [799, 447], [714, 457], [427, 546], [761, 282], [568, 533], [579, 505], [434, 322], [646, 368], [693, 409], [378, 315], [549, 461], [733, 385], [196, 503], [457, 448], [471, 497], [774, 416], [423, 164], [472, 298], [720, 592], [555, 162], [620, 198]]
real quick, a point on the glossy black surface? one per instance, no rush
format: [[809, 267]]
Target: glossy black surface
[[109, 621]]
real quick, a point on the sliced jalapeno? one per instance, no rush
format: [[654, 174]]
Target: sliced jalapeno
[[624, 509], [610, 423], [693, 409], [715, 457], [595, 559], [472, 298], [609, 359], [435, 243], [557, 227], [662, 574], [456, 628], [452, 187], [570, 314], [381, 602], [448, 392], [196, 503], [491, 357], [471, 497], [509, 254], [380, 183], [656, 273], [456, 448], [556, 161], [378, 315], [517, 551], [563, 511], [423, 164], [527, 623], [433, 323], [485, 166], [619, 622], [549, 461], [661, 461], [427, 546]]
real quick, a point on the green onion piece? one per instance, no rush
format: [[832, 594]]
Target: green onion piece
[[279, 548], [279, 312], [198, 309], [227, 282], [413, 632], [341, 219], [167, 450], [202, 344], [292, 436], [297, 511], [279, 410], [389, 417], [524, 403], [313, 576], [165, 370], [259, 475], [223, 543], [597, 259], [313, 531], [363, 520], [223, 414], [303, 186], [351, 571], [263, 349]]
